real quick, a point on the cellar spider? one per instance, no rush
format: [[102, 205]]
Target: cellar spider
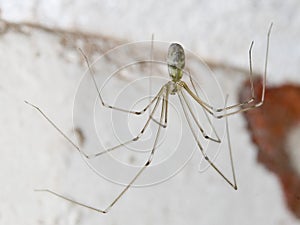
[[176, 86]]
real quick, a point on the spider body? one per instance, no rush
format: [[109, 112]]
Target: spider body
[[176, 61]]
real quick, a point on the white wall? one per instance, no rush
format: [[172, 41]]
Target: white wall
[[35, 66]]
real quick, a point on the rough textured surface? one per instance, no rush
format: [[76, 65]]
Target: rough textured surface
[[270, 127]]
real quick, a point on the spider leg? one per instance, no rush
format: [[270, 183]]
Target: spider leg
[[107, 150], [100, 96], [137, 137], [185, 110], [217, 139], [147, 163], [166, 102], [244, 106], [197, 122], [57, 128]]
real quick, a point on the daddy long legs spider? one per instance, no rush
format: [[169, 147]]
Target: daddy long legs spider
[[175, 86]]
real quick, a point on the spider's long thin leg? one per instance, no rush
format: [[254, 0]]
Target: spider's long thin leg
[[217, 139], [166, 102], [197, 122], [157, 97], [137, 137], [245, 106], [100, 96], [57, 128], [232, 184], [252, 98], [230, 149], [148, 162]]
